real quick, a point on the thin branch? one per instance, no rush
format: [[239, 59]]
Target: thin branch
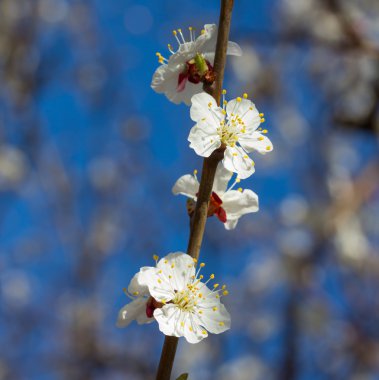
[[207, 177]]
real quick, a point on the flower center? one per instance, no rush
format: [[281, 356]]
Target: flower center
[[197, 70], [186, 300], [229, 131]]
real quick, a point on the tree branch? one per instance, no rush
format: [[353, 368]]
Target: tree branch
[[207, 177]]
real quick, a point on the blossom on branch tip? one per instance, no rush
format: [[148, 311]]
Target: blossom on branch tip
[[191, 65], [178, 300], [234, 126], [227, 204]]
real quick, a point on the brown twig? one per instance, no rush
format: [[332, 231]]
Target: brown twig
[[207, 177]]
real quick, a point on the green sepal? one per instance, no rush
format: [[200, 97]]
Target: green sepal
[[183, 376]]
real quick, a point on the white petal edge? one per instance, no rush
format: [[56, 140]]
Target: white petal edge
[[237, 203], [256, 141], [134, 310], [222, 178], [237, 161], [204, 107], [179, 266], [234, 49], [186, 185], [204, 140]]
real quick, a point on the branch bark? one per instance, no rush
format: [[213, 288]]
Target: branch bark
[[207, 176]]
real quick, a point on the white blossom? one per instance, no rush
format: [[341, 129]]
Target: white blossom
[[191, 65], [140, 308], [182, 304], [235, 126], [227, 204]]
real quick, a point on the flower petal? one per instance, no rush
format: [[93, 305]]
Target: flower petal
[[133, 310], [256, 141], [204, 107], [234, 49], [192, 331], [230, 224], [174, 322], [237, 161], [137, 286], [222, 178], [166, 317], [211, 313], [215, 319], [246, 111], [159, 285], [204, 140], [237, 203], [165, 80], [206, 42], [179, 266], [186, 185]]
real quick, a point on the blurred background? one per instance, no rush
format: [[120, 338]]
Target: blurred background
[[88, 156]]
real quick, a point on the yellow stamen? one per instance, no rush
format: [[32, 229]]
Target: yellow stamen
[[245, 95]]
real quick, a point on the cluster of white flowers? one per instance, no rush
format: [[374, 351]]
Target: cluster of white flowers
[[172, 293]]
